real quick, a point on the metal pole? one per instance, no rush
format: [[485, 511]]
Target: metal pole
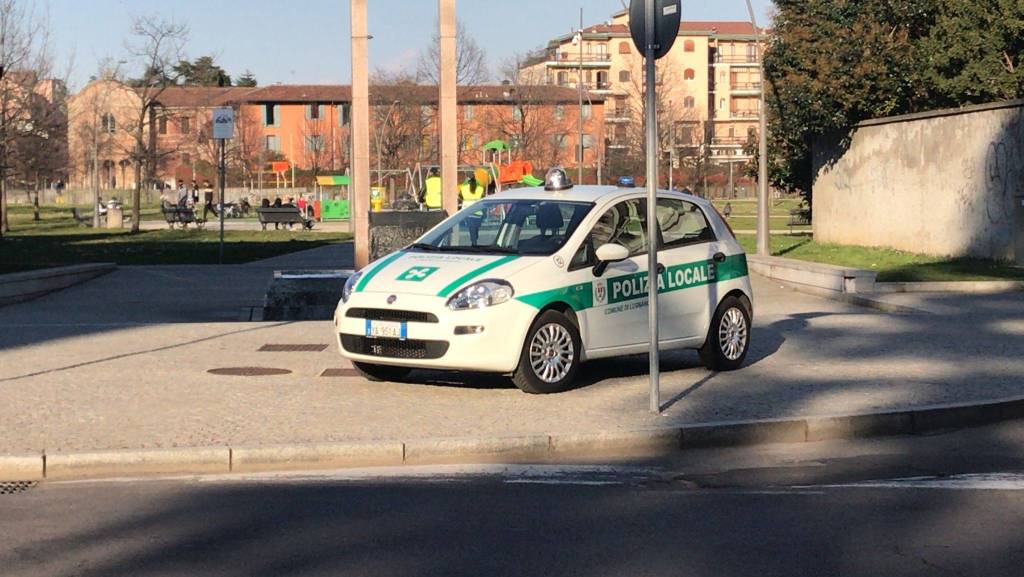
[[220, 258], [763, 230], [652, 214], [579, 85], [671, 163]]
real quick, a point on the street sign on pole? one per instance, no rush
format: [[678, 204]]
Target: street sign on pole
[[653, 25], [223, 130]]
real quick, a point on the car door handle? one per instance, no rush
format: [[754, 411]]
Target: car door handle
[[719, 257]]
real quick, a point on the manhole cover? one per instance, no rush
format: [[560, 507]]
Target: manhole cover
[[249, 371], [275, 348], [13, 487], [340, 373]]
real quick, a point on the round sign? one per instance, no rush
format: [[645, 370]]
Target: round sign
[[666, 24]]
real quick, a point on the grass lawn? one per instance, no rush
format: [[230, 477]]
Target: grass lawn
[[57, 240], [891, 265]]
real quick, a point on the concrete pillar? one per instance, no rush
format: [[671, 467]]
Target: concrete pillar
[[359, 191], [448, 123]]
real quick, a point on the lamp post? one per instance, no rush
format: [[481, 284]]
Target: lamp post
[[763, 230], [578, 40]]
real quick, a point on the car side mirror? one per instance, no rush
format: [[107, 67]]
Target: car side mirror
[[607, 254]]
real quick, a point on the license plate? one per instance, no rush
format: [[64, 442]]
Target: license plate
[[386, 330]]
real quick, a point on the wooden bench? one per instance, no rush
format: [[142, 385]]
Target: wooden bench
[[282, 215], [183, 216], [799, 217]]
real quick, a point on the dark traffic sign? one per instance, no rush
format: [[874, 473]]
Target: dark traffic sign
[[666, 25]]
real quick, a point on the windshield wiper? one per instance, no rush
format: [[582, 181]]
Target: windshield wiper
[[424, 246]]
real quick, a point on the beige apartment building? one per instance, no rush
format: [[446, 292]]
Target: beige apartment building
[[708, 87]]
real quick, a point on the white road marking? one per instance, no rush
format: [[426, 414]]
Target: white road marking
[[973, 481]]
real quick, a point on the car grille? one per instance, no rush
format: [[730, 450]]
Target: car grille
[[391, 315], [394, 348]]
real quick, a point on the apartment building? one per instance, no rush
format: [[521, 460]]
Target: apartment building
[[707, 92], [308, 127]]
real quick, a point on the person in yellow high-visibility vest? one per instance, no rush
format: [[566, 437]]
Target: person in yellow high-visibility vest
[[470, 191], [430, 196]]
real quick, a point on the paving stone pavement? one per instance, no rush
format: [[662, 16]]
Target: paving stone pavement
[[122, 361]]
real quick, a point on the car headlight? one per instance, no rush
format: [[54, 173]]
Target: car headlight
[[482, 294], [350, 285]]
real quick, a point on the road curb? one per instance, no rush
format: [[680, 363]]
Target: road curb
[[512, 449]]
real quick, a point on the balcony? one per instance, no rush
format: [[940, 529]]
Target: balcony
[[618, 115], [745, 87], [728, 141], [744, 114], [571, 59], [735, 59]]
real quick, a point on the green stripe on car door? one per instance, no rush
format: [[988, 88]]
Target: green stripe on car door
[[455, 284], [373, 272]]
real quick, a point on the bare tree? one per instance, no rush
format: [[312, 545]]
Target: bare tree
[[156, 46], [39, 155], [24, 61], [470, 59], [315, 147], [529, 123], [402, 120]]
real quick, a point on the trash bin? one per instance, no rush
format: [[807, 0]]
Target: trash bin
[[115, 216]]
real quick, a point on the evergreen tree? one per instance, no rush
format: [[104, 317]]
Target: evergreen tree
[[247, 79]]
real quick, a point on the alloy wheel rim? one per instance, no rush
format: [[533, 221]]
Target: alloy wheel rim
[[732, 334], [552, 353]]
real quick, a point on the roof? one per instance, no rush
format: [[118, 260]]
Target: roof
[[712, 27], [206, 96]]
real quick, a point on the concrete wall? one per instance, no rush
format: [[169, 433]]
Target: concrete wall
[[947, 183]]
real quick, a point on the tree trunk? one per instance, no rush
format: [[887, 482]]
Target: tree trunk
[[4, 228], [137, 198]]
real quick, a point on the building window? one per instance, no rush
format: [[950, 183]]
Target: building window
[[587, 111], [314, 143], [186, 158], [623, 75], [623, 47], [563, 78], [161, 125], [467, 112], [721, 104], [560, 141], [688, 102], [688, 46], [559, 112], [517, 114], [689, 74], [313, 112], [343, 114], [270, 114], [273, 143], [109, 123]]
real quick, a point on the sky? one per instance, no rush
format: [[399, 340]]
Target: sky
[[306, 41]]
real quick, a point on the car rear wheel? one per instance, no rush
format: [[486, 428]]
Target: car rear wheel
[[728, 336], [381, 372], [551, 355]]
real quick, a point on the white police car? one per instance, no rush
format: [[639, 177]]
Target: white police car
[[532, 282]]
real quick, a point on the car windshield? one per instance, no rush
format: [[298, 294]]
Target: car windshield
[[500, 226]]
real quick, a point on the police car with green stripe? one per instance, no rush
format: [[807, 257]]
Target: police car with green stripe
[[532, 282]]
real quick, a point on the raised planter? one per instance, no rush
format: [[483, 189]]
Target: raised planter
[[981, 287], [839, 279], [23, 286], [304, 295]]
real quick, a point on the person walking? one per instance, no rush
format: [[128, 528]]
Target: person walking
[[207, 198]]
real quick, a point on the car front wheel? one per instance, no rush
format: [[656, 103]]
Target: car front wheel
[[551, 355], [728, 337]]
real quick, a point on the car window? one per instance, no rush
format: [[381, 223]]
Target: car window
[[522, 226], [625, 224], [682, 223]]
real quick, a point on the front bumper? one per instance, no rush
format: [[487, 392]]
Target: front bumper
[[434, 344]]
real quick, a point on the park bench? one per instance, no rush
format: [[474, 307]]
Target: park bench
[[799, 217], [282, 215], [180, 215]]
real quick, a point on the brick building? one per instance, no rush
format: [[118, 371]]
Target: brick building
[[308, 126]]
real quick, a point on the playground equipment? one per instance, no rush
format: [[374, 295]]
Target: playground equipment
[[510, 171]]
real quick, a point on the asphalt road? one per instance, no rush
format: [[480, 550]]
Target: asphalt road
[[948, 504]]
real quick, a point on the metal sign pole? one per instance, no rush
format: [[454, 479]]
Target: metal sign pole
[[220, 258], [652, 205]]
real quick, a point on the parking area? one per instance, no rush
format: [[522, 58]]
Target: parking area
[[93, 367]]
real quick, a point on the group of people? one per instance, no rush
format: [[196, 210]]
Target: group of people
[[473, 189], [188, 197], [289, 202]]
